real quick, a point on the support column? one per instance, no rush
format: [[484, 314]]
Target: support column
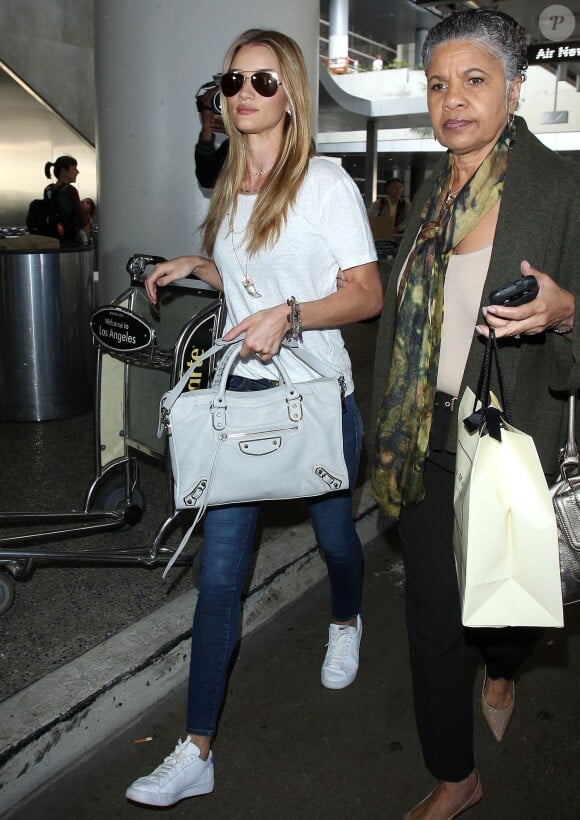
[[420, 37], [338, 29], [371, 163], [150, 59]]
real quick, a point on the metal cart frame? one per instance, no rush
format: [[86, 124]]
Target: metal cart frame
[[128, 374]]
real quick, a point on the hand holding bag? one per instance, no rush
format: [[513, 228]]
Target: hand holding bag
[[565, 495], [505, 538], [229, 447]]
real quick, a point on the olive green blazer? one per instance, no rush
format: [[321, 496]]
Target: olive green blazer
[[539, 220]]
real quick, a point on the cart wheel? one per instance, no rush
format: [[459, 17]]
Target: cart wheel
[[111, 497], [6, 592]]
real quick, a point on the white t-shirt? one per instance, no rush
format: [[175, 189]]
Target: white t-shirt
[[326, 231]]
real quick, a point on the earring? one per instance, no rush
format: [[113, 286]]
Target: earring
[[511, 124]]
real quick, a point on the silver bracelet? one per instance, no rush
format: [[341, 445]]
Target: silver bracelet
[[563, 332]]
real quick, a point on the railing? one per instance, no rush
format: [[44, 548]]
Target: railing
[[357, 42]]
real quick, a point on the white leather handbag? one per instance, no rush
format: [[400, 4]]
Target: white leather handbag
[[230, 447]]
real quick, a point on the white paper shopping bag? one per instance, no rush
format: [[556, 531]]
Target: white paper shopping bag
[[505, 538]]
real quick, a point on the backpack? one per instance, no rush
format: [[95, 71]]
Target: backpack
[[43, 216]]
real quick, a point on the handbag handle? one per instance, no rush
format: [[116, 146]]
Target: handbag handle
[[491, 355], [486, 415], [218, 412], [222, 373], [230, 351], [570, 449]]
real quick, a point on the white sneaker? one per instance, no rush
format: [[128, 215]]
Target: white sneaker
[[182, 774], [341, 662]]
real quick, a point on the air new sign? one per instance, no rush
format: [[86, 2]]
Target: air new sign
[[554, 52]]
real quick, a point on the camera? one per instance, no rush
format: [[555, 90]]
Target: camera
[[205, 100]]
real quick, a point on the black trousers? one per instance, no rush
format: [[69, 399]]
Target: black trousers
[[439, 645]]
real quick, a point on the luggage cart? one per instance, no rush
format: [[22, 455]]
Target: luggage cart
[[141, 352]]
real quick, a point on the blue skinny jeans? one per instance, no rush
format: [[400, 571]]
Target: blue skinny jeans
[[229, 532]]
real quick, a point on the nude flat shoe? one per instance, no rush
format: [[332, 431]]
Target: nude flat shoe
[[497, 719], [473, 799]]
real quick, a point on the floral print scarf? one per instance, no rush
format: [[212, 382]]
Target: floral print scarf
[[404, 419]]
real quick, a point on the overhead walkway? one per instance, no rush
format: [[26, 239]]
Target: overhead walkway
[[394, 98]]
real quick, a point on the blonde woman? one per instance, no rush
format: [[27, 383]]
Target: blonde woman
[[281, 224]]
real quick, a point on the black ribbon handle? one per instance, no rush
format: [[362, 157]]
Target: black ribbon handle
[[486, 416]]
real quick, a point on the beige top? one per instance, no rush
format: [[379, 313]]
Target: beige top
[[464, 282]]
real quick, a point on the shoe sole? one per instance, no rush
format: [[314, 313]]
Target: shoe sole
[[153, 799], [474, 798], [337, 684]]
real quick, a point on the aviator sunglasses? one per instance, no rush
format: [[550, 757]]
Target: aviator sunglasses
[[264, 82]]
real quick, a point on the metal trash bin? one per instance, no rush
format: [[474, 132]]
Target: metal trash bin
[[46, 351]]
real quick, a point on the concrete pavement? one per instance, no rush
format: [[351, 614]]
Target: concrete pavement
[[288, 748]]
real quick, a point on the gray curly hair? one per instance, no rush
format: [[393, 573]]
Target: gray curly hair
[[495, 31]]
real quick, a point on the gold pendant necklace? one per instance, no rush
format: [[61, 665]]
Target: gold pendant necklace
[[450, 198], [255, 174], [259, 173]]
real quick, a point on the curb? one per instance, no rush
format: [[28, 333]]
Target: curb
[[59, 719]]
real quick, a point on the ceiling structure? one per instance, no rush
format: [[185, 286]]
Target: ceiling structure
[[394, 22]]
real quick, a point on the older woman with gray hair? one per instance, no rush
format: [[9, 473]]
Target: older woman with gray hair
[[499, 204]]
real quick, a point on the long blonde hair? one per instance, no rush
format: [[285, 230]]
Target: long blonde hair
[[279, 191]]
